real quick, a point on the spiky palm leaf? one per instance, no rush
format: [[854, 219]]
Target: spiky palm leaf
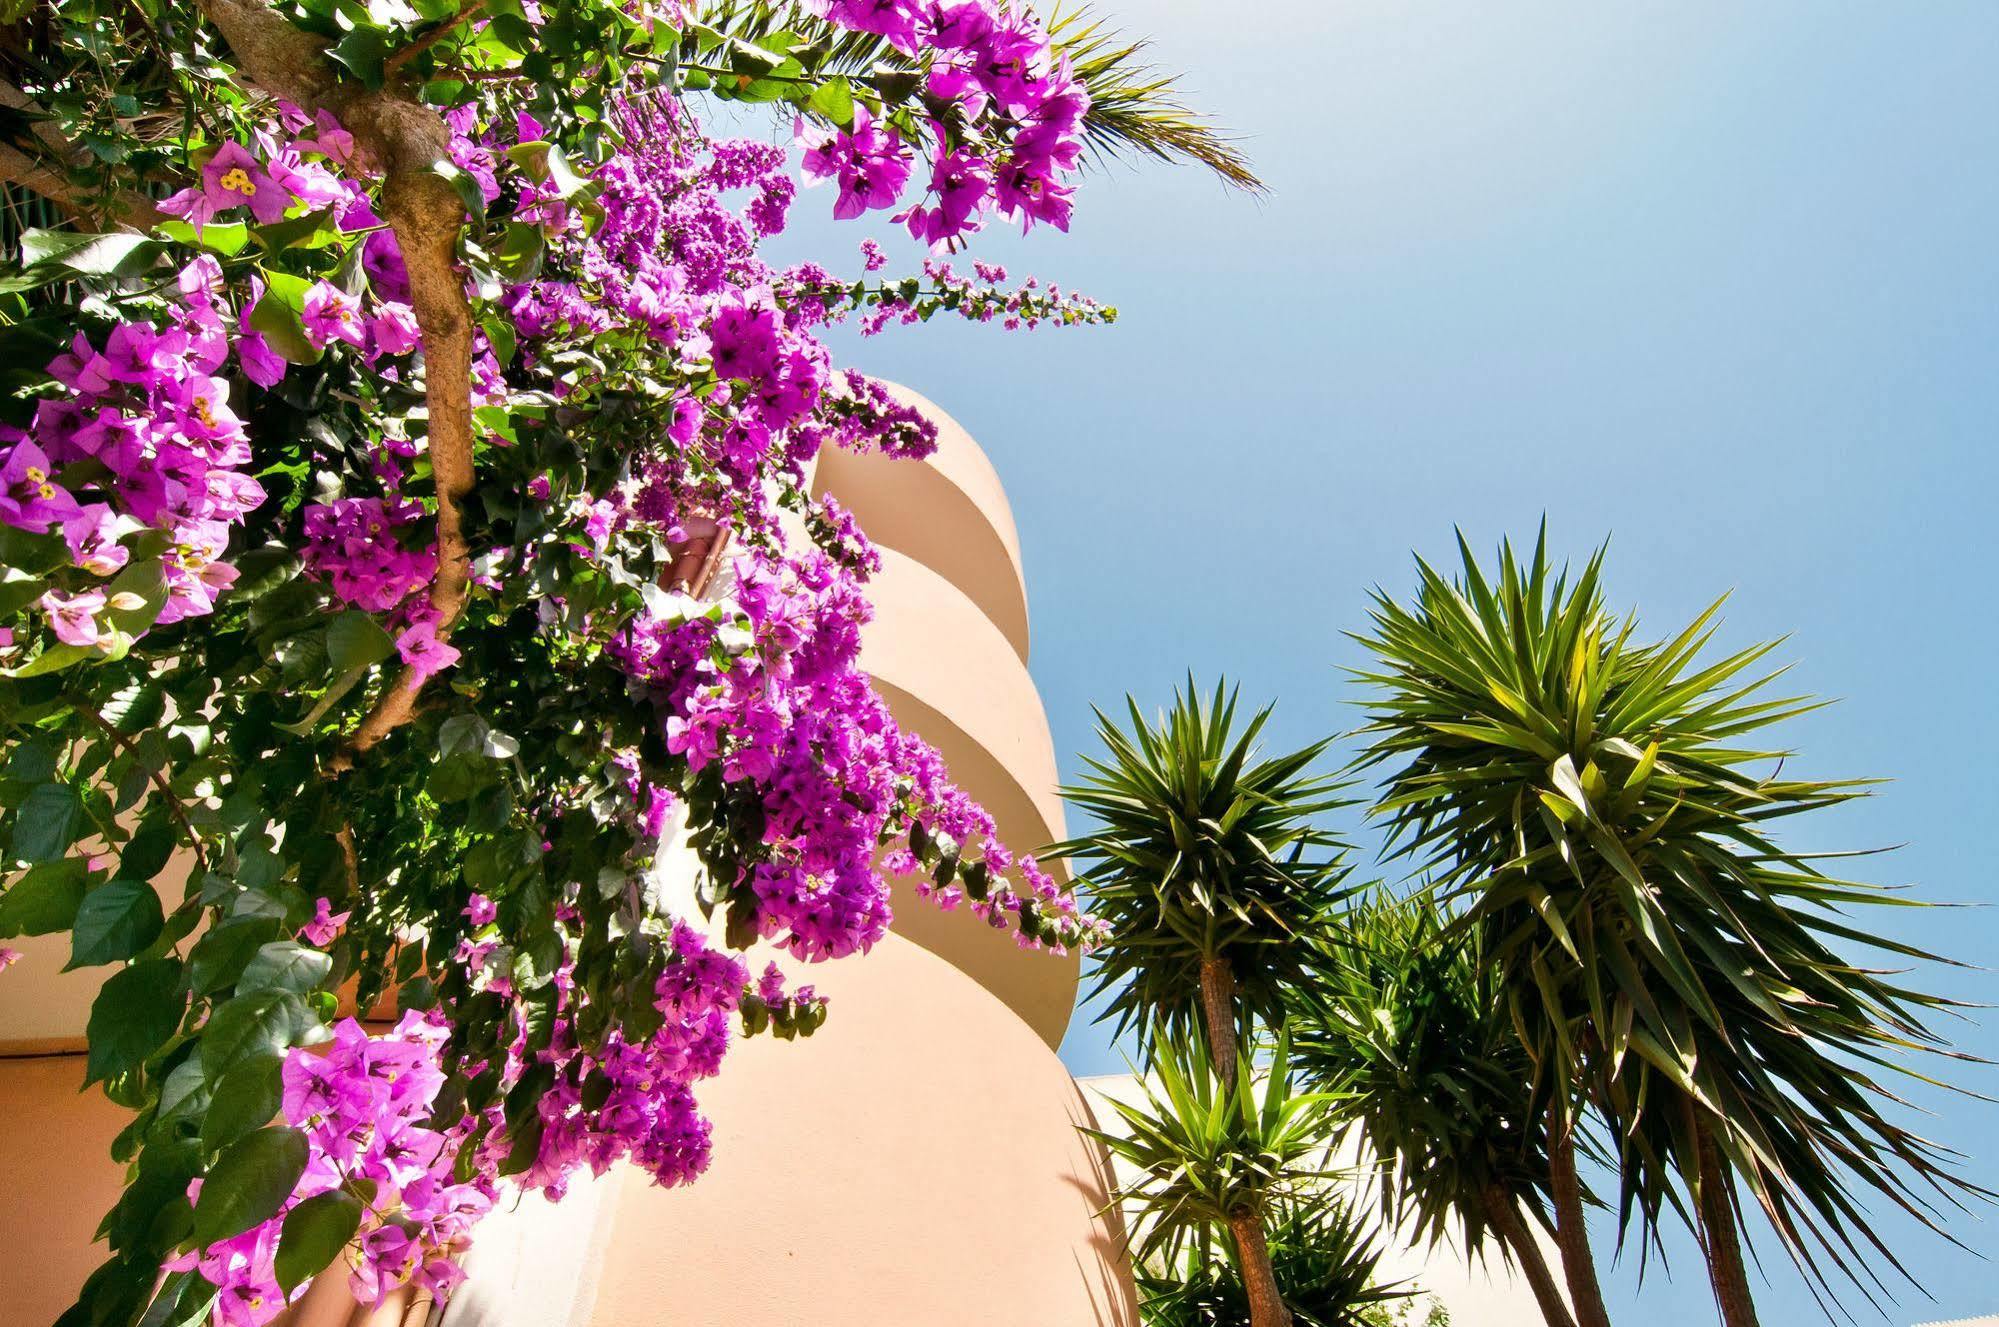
[[1202, 851], [1603, 806], [1208, 1148], [1134, 109], [1327, 1258], [1410, 1028]]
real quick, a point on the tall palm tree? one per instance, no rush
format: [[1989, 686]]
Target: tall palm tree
[[1206, 864], [1213, 878], [1407, 1027], [1214, 1149], [1604, 808]]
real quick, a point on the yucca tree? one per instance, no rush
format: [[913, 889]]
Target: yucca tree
[[1206, 863], [1407, 1026], [1604, 806], [1326, 1257], [1217, 1148]]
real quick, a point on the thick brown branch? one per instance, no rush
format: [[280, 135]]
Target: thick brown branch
[[408, 140], [46, 172]]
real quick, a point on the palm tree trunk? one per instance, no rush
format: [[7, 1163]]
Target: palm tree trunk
[[1504, 1218], [1719, 1237], [1218, 1009], [1266, 1303], [1571, 1235]]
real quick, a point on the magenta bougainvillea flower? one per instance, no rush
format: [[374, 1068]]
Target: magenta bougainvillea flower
[[30, 497]]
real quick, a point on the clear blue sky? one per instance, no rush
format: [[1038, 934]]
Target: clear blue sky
[[1718, 280]]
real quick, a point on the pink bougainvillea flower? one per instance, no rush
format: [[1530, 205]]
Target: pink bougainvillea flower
[[426, 655], [232, 178], [869, 164], [92, 534], [392, 331], [30, 499], [325, 924], [331, 314], [8, 957], [73, 617]]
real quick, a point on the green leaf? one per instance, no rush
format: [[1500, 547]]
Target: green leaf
[[248, 1026], [123, 253], [184, 1300], [46, 823], [247, 1097], [220, 956], [561, 176], [314, 230], [355, 640], [834, 99], [133, 1016], [225, 238], [115, 921], [249, 1183], [364, 52], [285, 965], [314, 1234], [280, 317], [56, 658], [150, 848], [44, 900], [468, 189]]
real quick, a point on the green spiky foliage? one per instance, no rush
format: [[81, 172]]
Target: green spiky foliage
[[1208, 1148], [1135, 110], [1202, 851], [1409, 1027], [1326, 1255], [1605, 807]]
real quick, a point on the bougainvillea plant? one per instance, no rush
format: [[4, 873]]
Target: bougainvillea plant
[[405, 541]]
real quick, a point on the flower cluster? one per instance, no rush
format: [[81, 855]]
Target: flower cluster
[[1008, 131], [362, 1106], [142, 437], [632, 1099], [789, 712]]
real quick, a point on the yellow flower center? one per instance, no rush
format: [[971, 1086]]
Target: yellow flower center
[[36, 474], [238, 181], [203, 413]]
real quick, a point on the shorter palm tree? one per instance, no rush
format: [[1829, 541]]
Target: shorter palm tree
[[1216, 1154], [1405, 1025], [1206, 866], [1325, 1254]]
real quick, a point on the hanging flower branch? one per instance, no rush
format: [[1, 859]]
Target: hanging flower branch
[[376, 375]]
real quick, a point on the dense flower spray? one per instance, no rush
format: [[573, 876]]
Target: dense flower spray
[[426, 731]]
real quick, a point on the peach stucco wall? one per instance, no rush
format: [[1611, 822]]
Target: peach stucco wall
[[55, 1150], [914, 1163]]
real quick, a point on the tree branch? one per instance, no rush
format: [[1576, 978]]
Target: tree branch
[[46, 172], [408, 140], [397, 59], [175, 807]]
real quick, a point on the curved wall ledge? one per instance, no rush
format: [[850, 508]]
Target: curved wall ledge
[[940, 664], [948, 512]]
